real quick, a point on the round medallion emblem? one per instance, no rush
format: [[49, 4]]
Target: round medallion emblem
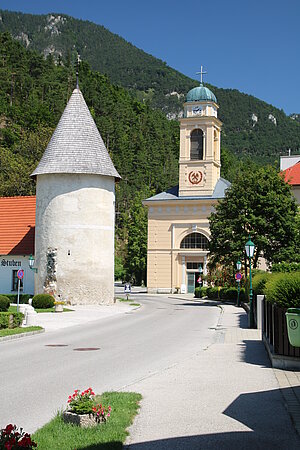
[[293, 324], [195, 177]]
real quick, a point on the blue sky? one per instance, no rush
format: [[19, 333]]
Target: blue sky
[[250, 45]]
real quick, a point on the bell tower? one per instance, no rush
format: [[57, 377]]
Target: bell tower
[[200, 134]]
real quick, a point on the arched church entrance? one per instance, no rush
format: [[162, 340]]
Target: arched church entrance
[[194, 259]]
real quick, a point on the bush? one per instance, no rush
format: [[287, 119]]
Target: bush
[[4, 303], [200, 292], [284, 289], [212, 293], [259, 282], [204, 292], [197, 292], [43, 301], [231, 294], [10, 320], [242, 295], [23, 298], [286, 267]]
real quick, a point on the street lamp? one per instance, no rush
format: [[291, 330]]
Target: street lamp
[[238, 280], [31, 262], [249, 248]]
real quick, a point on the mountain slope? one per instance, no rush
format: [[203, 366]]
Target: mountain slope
[[251, 126]]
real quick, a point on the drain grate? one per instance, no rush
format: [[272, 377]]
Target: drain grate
[[86, 349], [56, 345]]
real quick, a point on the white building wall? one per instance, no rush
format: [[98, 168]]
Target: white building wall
[[8, 264], [75, 215]]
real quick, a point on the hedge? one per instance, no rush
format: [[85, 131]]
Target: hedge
[[200, 292], [23, 298], [4, 303], [284, 289], [259, 282], [43, 301], [286, 267], [212, 293], [10, 320]]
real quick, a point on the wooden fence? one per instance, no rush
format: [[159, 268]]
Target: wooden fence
[[275, 330]]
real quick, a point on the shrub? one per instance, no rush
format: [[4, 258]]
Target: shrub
[[242, 295], [259, 282], [23, 298], [197, 292], [212, 292], [231, 294], [222, 293], [200, 292], [286, 267], [10, 320], [43, 301], [204, 292], [4, 303], [284, 290]]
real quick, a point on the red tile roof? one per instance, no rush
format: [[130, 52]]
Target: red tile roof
[[17, 225], [292, 174]]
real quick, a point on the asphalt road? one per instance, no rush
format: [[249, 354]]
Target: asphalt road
[[36, 378]]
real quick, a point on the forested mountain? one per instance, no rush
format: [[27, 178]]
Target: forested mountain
[[251, 126], [34, 91]]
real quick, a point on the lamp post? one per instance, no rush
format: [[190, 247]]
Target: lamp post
[[238, 280], [31, 264], [249, 248]]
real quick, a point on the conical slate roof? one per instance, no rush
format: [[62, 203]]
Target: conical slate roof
[[76, 145]]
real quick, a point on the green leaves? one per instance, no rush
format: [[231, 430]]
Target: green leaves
[[259, 202]]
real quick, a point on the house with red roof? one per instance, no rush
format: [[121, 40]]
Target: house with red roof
[[17, 229], [290, 168]]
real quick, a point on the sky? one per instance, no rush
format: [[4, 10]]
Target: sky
[[249, 45]]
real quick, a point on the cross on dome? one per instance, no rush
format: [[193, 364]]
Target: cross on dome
[[201, 73]]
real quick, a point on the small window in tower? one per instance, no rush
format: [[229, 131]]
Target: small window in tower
[[197, 144]]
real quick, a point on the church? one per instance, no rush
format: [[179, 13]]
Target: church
[[178, 225]]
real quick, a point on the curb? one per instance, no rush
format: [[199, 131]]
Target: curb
[[21, 335]]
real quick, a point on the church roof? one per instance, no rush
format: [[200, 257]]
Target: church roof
[[200, 93], [172, 194], [76, 145]]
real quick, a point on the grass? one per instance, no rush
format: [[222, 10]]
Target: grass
[[39, 310], [18, 330], [130, 301], [106, 436]]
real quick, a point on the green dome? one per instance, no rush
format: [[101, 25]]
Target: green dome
[[199, 94]]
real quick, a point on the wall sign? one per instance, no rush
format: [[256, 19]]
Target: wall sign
[[12, 263], [195, 177]]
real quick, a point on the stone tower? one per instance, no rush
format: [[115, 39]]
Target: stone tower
[[75, 211], [200, 129]]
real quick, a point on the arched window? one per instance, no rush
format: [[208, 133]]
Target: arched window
[[195, 240], [196, 144]]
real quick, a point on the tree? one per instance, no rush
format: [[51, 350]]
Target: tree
[[136, 258], [260, 203]]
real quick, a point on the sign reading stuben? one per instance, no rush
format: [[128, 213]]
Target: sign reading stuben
[[10, 263]]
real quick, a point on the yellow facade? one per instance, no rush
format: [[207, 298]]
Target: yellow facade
[[178, 226]]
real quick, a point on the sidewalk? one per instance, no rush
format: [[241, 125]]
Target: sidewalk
[[225, 397], [80, 314]]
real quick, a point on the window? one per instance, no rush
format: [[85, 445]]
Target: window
[[195, 240], [15, 281], [193, 265], [196, 144]]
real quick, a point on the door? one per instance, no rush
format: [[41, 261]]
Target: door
[[191, 282]]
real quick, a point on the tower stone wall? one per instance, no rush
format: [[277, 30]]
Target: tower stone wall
[[75, 223]]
